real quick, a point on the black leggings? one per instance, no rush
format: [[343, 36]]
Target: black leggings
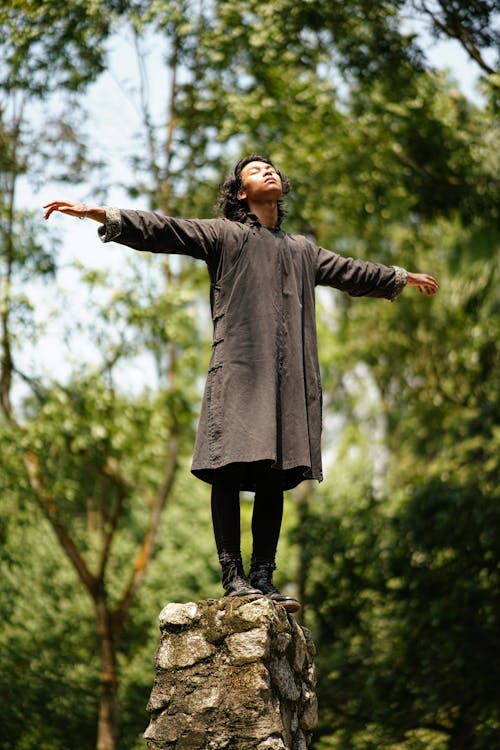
[[266, 517]]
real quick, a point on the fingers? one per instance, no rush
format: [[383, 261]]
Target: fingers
[[428, 289], [49, 208], [65, 207], [425, 283], [431, 286]]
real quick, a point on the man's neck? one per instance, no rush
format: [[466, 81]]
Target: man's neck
[[267, 213]]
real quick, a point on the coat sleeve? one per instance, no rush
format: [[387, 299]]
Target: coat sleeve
[[359, 278], [146, 230]]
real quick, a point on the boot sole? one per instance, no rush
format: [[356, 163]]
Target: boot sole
[[291, 606], [256, 594]]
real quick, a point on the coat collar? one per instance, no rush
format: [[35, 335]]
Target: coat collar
[[253, 221]]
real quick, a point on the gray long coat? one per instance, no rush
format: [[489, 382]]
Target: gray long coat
[[262, 397]]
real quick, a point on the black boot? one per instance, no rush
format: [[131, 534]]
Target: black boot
[[261, 576], [234, 580]]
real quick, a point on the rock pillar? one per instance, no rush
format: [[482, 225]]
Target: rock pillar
[[232, 674]]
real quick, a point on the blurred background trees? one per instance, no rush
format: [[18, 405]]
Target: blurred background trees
[[396, 554]]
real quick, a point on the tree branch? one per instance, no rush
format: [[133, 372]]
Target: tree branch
[[111, 470], [453, 28], [146, 548], [50, 510]]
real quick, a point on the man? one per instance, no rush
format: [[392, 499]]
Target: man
[[260, 423]]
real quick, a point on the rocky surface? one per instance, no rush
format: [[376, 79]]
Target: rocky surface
[[232, 674]]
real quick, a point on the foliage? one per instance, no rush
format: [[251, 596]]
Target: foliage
[[51, 45], [48, 656], [49, 644], [48, 52], [406, 615], [403, 590]]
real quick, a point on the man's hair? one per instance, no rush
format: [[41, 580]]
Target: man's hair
[[230, 205]]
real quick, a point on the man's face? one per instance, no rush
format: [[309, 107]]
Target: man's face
[[260, 182]]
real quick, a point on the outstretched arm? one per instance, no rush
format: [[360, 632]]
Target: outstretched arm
[[149, 231], [426, 283], [81, 210], [361, 278]]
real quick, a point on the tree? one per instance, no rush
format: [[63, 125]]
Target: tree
[[45, 52], [44, 55], [471, 24], [403, 593]]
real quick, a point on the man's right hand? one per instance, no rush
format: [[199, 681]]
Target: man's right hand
[[80, 210]]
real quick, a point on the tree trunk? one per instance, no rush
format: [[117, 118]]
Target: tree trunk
[[6, 362], [108, 697], [463, 733]]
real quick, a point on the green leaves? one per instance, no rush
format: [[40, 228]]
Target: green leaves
[[48, 45]]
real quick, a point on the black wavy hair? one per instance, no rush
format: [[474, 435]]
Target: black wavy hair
[[231, 206]]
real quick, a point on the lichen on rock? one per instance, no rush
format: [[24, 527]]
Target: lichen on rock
[[232, 673]]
